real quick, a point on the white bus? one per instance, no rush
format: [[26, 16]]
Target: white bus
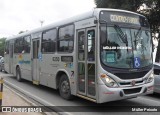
[[156, 67], [102, 55]]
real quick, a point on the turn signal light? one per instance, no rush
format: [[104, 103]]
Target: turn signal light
[[103, 75]]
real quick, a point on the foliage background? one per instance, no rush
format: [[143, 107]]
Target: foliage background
[[2, 43]]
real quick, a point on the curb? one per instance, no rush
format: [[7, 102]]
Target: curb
[[35, 98]]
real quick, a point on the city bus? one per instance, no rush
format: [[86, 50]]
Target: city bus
[[102, 55], [156, 63]]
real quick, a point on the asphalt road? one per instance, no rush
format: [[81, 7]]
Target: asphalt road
[[50, 97]]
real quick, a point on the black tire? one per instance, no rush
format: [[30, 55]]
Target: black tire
[[18, 74], [64, 88], [5, 72]]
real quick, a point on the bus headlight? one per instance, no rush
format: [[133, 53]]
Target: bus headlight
[[150, 78], [109, 81]]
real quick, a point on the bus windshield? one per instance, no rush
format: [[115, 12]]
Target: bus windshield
[[124, 47]]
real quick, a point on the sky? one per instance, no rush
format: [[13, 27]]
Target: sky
[[22, 15]]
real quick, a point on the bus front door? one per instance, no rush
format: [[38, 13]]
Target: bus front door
[[86, 62], [35, 61]]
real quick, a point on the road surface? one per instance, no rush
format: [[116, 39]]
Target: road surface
[[50, 97]]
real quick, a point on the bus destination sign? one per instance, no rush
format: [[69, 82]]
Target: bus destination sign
[[124, 19]]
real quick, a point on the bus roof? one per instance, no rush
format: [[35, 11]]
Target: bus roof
[[89, 14]]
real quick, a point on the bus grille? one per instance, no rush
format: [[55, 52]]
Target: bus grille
[[132, 75], [131, 91]]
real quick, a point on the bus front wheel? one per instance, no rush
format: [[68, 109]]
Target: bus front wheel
[[64, 88], [18, 74]]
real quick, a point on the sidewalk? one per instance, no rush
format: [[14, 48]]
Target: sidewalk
[[10, 98]]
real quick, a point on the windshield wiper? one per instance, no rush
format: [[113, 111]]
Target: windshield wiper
[[121, 35], [137, 35], [138, 32]]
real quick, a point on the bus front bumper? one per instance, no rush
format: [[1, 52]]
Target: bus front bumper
[[112, 94]]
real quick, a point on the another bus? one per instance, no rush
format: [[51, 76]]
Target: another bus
[[156, 67], [103, 55]]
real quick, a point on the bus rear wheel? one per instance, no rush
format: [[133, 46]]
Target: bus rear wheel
[[64, 88], [18, 74]]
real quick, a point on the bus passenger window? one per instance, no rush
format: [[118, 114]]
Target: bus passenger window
[[18, 45], [27, 44], [48, 41], [65, 41]]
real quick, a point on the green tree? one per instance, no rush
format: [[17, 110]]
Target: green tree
[[153, 16], [131, 5], [152, 12], [2, 43]]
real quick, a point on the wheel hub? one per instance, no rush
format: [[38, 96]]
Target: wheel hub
[[65, 87]]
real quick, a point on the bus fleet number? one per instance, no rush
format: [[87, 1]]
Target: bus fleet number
[[55, 58]]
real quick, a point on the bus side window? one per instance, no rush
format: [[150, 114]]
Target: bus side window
[[65, 41], [48, 41], [27, 44], [18, 45]]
